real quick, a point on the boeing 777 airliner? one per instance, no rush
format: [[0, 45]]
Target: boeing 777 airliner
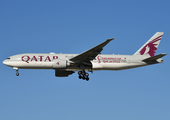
[[90, 60]]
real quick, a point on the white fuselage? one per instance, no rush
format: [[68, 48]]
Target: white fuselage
[[52, 61], [90, 60]]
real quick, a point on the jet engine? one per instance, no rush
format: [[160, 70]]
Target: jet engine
[[59, 73], [60, 64]]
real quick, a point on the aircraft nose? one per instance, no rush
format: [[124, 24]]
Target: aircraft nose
[[5, 62]]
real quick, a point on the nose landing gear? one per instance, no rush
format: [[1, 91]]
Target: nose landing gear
[[17, 74], [83, 75]]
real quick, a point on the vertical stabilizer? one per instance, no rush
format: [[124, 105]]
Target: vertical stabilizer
[[151, 45]]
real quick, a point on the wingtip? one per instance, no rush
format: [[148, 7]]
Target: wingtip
[[111, 39], [164, 54]]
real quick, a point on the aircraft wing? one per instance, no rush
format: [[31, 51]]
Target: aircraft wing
[[90, 54]]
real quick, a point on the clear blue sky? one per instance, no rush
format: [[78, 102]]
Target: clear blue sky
[[74, 26]]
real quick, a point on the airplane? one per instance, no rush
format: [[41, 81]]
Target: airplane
[[90, 60]]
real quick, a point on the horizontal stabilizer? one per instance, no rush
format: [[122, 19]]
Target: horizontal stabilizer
[[154, 57]]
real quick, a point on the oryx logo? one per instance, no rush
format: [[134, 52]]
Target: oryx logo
[[151, 47]]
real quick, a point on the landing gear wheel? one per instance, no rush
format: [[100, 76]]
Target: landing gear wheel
[[17, 74], [83, 75], [79, 72], [87, 79], [15, 68], [87, 74], [80, 77]]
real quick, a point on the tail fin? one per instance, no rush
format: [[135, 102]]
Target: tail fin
[[151, 45]]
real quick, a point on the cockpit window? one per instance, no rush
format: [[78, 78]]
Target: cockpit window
[[8, 58]]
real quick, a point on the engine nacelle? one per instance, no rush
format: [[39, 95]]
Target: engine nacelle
[[60, 64], [59, 73]]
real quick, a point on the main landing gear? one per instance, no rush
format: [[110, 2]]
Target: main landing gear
[[17, 74], [83, 75]]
